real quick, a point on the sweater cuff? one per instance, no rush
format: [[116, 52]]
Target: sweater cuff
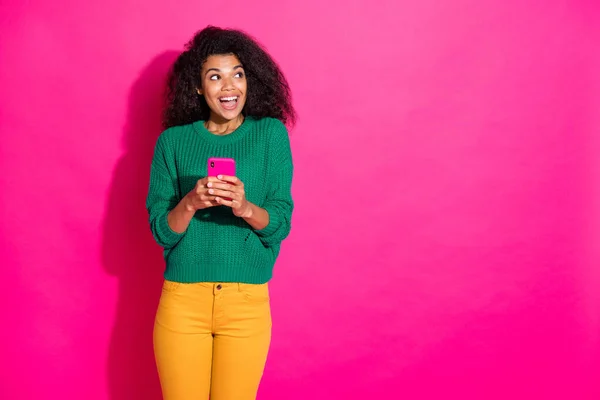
[[168, 236], [274, 223]]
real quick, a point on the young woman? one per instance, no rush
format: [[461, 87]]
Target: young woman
[[221, 234]]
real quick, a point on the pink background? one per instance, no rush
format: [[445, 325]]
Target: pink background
[[445, 240]]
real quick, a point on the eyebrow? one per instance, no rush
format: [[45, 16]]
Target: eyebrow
[[218, 70]]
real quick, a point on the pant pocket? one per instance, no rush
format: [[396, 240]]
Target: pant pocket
[[170, 286], [255, 293]]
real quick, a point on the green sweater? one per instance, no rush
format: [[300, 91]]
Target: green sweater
[[218, 246]]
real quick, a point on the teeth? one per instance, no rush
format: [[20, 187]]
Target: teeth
[[228, 98]]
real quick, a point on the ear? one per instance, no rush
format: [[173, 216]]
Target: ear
[[199, 91]]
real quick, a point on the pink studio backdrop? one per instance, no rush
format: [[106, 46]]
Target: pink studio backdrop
[[445, 240]]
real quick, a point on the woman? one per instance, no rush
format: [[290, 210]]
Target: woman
[[221, 235]]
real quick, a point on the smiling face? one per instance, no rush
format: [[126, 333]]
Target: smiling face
[[224, 87]]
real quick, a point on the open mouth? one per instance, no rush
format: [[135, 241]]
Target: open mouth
[[229, 103]]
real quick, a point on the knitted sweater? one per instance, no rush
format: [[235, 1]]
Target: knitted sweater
[[218, 246]]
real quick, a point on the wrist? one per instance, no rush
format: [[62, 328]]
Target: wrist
[[187, 204], [248, 212]]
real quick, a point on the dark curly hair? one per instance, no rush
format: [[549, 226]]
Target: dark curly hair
[[268, 94]]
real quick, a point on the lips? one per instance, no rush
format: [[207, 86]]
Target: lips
[[229, 102]]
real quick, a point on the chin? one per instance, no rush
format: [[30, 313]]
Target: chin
[[229, 116]]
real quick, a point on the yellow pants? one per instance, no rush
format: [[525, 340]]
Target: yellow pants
[[212, 339]]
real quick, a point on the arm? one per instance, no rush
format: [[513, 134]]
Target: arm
[[168, 217], [179, 217], [258, 217], [272, 221]]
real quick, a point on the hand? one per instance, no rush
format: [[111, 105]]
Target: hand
[[198, 198], [229, 191]]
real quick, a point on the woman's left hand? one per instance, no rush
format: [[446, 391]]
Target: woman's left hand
[[230, 192]]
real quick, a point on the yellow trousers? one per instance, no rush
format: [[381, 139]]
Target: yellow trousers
[[212, 339]]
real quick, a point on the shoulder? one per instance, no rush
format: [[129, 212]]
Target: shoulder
[[273, 131], [270, 125], [170, 135], [276, 140]]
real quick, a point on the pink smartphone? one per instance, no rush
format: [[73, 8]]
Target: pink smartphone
[[221, 166]]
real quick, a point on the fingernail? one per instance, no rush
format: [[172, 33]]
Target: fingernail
[[209, 184], [211, 191], [220, 176]]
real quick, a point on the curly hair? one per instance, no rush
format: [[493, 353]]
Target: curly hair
[[269, 94]]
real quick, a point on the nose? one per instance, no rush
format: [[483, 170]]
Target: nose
[[228, 84]]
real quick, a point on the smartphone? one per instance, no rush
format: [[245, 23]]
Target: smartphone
[[221, 166]]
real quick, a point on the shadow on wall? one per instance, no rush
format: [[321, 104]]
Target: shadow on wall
[[128, 250]]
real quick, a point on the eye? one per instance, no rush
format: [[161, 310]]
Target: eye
[[214, 77], [239, 75]]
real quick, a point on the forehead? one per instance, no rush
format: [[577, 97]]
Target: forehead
[[221, 61]]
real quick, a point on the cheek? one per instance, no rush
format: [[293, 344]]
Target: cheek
[[210, 90], [213, 96]]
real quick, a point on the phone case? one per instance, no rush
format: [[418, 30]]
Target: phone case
[[221, 166]]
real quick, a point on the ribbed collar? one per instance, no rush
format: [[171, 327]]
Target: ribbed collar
[[234, 136]]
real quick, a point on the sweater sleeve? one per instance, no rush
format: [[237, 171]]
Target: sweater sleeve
[[162, 195], [278, 203]]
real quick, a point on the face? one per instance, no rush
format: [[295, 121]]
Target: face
[[223, 86]]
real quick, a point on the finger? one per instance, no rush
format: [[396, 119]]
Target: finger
[[204, 181], [206, 197], [221, 185], [221, 193], [228, 203], [201, 185], [210, 204], [231, 179]]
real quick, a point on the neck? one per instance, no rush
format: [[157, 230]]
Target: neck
[[223, 127]]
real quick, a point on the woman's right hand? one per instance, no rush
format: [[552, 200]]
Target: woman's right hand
[[198, 198]]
